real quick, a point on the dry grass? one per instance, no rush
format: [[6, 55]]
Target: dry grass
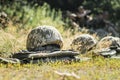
[[11, 41], [97, 69]]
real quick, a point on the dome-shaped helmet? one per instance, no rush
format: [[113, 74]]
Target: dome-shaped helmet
[[108, 46], [83, 43], [108, 42], [44, 38]]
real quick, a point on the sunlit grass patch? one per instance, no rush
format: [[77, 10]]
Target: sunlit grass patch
[[11, 42], [99, 68]]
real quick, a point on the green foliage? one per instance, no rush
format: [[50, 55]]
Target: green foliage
[[98, 6], [26, 16]]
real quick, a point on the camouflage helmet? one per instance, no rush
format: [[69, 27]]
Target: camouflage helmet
[[108, 42], [83, 43], [43, 36]]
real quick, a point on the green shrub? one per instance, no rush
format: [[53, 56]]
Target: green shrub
[[98, 6], [26, 16]]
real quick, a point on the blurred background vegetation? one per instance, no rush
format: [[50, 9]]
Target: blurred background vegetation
[[26, 15], [111, 6], [30, 13]]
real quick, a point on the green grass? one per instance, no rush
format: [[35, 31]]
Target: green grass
[[13, 39], [97, 69]]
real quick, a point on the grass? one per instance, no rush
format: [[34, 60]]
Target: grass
[[97, 69], [13, 39]]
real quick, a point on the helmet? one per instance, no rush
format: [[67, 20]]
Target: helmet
[[108, 42], [44, 38], [108, 46], [83, 43]]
